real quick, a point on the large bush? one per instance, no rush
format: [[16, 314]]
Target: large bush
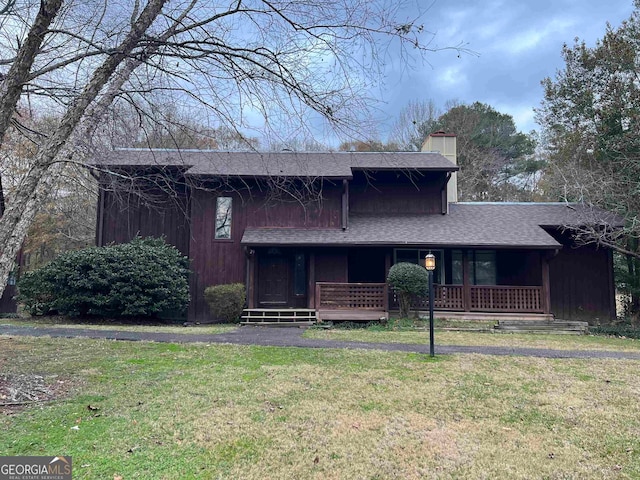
[[408, 280], [226, 302], [145, 277]]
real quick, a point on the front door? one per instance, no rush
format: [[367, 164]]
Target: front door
[[273, 280]]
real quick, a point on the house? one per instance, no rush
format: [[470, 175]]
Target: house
[[317, 233]]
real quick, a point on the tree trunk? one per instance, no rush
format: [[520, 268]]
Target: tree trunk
[[13, 82], [38, 182]]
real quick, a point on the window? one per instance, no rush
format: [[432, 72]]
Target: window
[[223, 217], [482, 267], [417, 257], [456, 267]]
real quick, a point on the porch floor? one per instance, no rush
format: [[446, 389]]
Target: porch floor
[[483, 316], [352, 315]]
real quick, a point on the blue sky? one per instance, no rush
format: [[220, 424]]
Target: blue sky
[[519, 44]]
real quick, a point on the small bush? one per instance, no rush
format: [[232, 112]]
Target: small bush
[[408, 280], [624, 329], [142, 278], [226, 302]]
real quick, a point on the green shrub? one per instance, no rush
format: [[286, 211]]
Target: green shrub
[[623, 329], [226, 302], [145, 277], [408, 280]]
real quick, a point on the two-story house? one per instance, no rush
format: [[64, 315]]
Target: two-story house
[[318, 232]]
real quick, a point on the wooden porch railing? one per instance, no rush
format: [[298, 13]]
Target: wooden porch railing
[[506, 299], [358, 296], [489, 298], [446, 297]]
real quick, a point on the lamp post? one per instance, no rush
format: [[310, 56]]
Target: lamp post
[[430, 265]]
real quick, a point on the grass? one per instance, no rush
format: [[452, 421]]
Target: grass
[[416, 332], [102, 324], [195, 411]]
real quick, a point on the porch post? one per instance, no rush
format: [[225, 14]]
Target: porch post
[[251, 278], [546, 290], [311, 287], [466, 282]]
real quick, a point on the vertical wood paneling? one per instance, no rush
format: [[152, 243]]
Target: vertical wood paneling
[[124, 217], [579, 281], [395, 192]]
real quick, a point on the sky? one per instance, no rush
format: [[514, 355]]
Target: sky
[[518, 43]]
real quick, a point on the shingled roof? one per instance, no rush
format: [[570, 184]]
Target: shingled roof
[[490, 225], [278, 164]]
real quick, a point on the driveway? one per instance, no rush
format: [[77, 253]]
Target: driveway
[[292, 337]]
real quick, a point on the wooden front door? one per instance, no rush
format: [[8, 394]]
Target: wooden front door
[[273, 280]]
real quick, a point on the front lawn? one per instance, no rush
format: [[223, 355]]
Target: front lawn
[[442, 337], [107, 324], [149, 410]]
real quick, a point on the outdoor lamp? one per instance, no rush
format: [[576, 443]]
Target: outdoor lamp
[[430, 262], [430, 265]]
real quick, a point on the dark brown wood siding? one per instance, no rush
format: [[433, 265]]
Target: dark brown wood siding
[[322, 210], [215, 262], [331, 265], [396, 192], [125, 216], [581, 283]]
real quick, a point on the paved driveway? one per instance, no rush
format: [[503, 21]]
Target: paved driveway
[[292, 337]]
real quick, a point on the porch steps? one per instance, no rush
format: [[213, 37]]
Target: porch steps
[[558, 327], [292, 317]]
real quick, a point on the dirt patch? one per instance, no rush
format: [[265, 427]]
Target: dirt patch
[[18, 391]]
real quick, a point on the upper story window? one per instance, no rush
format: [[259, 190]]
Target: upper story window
[[223, 217]]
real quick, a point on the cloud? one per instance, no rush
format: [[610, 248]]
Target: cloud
[[534, 36], [451, 78]]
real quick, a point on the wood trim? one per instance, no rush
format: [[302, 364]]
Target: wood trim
[[546, 289], [251, 280], [386, 297], [466, 281], [612, 287], [387, 263], [345, 204], [311, 288], [100, 219], [444, 201]]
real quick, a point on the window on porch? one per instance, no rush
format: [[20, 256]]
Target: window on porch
[[410, 255], [482, 267]]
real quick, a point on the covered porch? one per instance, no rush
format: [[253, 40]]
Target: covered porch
[[361, 301], [350, 284]]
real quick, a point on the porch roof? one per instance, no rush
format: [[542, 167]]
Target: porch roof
[[276, 164], [491, 225]]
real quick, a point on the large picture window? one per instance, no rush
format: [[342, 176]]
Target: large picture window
[[223, 217]]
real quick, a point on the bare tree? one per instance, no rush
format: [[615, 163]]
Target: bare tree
[[415, 121], [241, 60]]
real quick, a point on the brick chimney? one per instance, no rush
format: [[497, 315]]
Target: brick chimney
[[445, 144]]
